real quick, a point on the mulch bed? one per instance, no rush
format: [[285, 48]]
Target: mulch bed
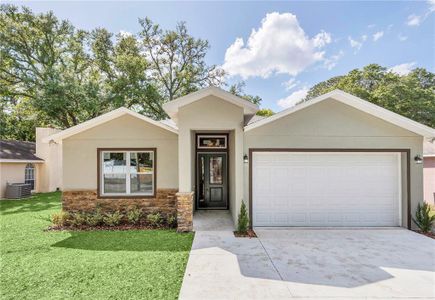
[[249, 234], [113, 228], [428, 234]]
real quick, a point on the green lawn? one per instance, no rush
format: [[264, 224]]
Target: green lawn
[[35, 264]]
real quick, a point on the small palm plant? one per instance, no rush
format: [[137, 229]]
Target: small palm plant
[[423, 218], [243, 220]]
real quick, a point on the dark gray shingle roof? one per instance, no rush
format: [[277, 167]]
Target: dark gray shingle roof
[[18, 150]]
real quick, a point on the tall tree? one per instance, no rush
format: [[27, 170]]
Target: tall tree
[[177, 60], [44, 61], [411, 95]]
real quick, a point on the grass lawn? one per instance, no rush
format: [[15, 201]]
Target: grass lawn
[[100, 265]]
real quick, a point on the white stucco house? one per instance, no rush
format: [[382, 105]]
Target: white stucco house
[[336, 160], [36, 163]]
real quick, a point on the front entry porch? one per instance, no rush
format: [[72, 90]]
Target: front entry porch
[[212, 220]]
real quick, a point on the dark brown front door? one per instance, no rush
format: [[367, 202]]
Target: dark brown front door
[[212, 185]]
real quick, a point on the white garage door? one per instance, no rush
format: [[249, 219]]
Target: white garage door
[[326, 189]]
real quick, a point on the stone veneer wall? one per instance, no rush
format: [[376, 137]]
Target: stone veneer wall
[[185, 212], [165, 202]]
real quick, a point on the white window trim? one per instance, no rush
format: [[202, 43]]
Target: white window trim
[[127, 174]]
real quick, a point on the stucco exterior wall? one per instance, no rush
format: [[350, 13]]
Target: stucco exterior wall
[[332, 124], [80, 151], [12, 173], [211, 114], [50, 172], [429, 179]]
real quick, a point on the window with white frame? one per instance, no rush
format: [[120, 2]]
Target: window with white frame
[[29, 175], [127, 172]]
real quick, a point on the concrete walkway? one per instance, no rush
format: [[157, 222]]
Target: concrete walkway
[[315, 264]]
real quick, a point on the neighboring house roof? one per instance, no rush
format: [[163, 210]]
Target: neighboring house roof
[[357, 103], [103, 119], [429, 149], [171, 107], [18, 151]]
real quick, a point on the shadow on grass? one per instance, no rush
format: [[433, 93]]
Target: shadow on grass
[[134, 240], [38, 202]]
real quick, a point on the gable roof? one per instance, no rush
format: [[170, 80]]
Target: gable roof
[[171, 107], [18, 151], [103, 119], [357, 103]]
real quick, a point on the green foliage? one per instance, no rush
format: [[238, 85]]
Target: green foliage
[[423, 217], [238, 90], [134, 215], [77, 219], [112, 219], [95, 218], [155, 219], [60, 219], [411, 95], [243, 219], [265, 112], [177, 60], [53, 74], [172, 220]]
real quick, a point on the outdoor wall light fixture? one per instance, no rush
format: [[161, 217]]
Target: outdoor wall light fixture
[[245, 159], [418, 159]]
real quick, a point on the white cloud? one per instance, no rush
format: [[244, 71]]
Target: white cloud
[[279, 45], [322, 39], [378, 35], [402, 38], [124, 33], [293, 98], [371, 26], [355, 44], [402, 69], [364, 37], [290, 84], [331, 62], [414, 20]]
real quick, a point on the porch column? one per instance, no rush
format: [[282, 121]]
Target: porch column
[[184, 211]]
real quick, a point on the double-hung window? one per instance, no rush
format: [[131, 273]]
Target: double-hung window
[[127, 172]]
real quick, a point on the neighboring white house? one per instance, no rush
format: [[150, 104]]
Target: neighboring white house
[[39, 164]]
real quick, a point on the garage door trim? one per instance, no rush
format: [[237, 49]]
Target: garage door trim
[[408, 173]]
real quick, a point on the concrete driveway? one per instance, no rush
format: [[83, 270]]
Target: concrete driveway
[[314, 263]]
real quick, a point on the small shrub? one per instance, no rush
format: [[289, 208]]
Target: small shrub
[[172, 220], [60, 218], [94, 219], [112, 219], [134, 215], [243, 219], [423, 218], [78, 219], [155, 219]]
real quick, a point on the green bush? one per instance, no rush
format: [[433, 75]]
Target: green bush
[[423, 218], [112, 219], [95, 218], [243, 219], [172, 220], [60, 218], [78, 219], [134, 215], [155, 219]]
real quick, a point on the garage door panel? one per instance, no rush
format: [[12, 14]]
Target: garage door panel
[[326, 189]]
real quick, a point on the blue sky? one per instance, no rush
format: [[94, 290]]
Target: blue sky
[[280, 48]]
